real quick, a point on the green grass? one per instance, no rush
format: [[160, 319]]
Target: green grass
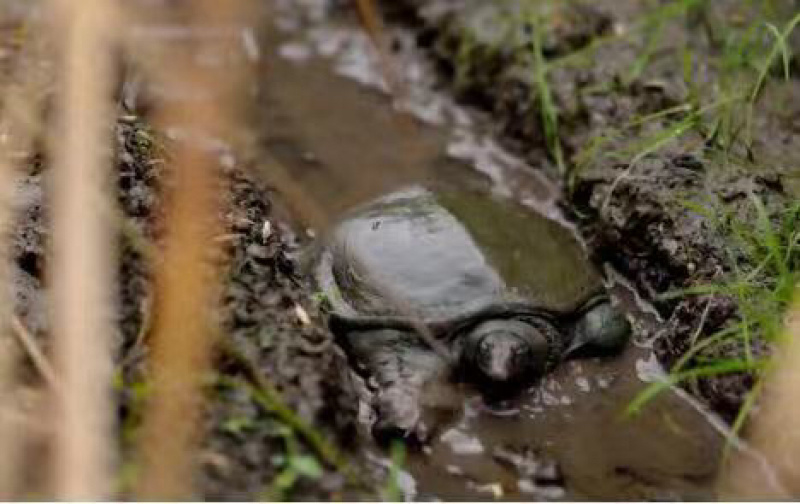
[[269, 398], [740, 70], [294, 467], [547, 108], [471, 55], [392, 492], [725, 74], [763, 271], [739, 58]]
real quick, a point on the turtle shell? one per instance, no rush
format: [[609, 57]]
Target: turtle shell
[[439, 257]]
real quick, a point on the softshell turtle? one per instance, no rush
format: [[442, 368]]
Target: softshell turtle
[[420, 281]]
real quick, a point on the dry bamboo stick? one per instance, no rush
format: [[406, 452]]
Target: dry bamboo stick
[[8, 358], [8, 436], [186, 277], [81, 271], [19, 126], [35, 354], [774, 432]]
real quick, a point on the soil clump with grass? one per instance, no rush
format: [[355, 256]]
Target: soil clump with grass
[[672, 128]]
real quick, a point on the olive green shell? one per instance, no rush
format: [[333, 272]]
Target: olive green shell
[[436, 256]]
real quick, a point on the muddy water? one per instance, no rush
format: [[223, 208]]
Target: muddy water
[[345, 143], [327, 122]]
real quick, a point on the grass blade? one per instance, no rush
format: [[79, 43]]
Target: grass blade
[[652, 390]]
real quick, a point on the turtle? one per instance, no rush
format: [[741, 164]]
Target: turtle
[[425, 281]]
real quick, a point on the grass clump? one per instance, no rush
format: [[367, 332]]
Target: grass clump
[[392, 492], [763, 261], [723, 82], [547, 107]]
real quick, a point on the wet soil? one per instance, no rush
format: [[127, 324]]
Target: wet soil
[[280, 416], [324, 115], [610, 64], [568, 438], [246, 446]]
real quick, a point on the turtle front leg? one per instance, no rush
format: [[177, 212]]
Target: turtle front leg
[[600, 330], [398, 366]]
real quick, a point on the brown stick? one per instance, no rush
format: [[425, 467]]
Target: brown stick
[[373, 25], [20, 125], [774, 430], [81, 269], [35, 354], [186, 277], [8, 462]]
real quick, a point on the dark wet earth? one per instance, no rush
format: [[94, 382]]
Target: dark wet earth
[[324, 117], [330, 124]]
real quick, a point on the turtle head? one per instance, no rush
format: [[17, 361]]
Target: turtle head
[[504, 354]]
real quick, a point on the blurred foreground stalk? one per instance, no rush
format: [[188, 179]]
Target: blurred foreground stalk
[[82, 269], [20, 124], [198, 101], [8, 431], [775, 430]]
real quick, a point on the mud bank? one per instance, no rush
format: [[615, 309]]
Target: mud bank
[[252, 448], [635, 111]]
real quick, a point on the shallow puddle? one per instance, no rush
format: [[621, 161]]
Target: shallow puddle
[[328, 124], [567, 438], [575, 421]]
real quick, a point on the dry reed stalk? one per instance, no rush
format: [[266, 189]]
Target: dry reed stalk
[[188, 273], [35, 354], [373, 25], [22, 96], [8, 358], [8, 436], [774, 432], [81, 270]]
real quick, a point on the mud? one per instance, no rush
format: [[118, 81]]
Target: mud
[[263, 307], [323, 113], [524, 449], [266, 318], [630, 204], [246, 446]]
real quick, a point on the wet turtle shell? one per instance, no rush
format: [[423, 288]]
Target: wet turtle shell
[[445, 258]]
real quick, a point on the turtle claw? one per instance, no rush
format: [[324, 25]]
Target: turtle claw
[[603, 330], [385, 433], [398, 418]]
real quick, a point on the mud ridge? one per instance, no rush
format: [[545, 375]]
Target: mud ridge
[[246, 447]]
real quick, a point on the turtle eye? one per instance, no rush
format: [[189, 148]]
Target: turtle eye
[[484, 353], [522, 354]]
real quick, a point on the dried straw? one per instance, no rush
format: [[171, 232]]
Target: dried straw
[[82, 270], [20, 124], [773, 431], [187, 276], [8, 462]]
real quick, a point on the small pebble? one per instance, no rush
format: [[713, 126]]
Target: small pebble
[[302, 315], [295, 51], [496, 489], [266, 231], [454, 470]]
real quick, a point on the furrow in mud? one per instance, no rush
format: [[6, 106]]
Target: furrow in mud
[[599, 85]]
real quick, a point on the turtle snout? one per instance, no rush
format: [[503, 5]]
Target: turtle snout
[[503, 357]]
